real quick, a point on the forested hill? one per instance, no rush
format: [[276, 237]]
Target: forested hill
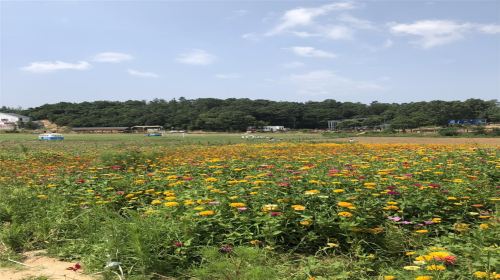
[[237, 114]]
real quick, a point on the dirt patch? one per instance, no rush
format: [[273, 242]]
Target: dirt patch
[[424, 140], [36, 264]]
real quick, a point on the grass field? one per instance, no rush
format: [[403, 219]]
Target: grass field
[[217, 206]]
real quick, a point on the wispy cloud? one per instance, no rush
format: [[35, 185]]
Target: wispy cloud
[[311, 52], [326, 82], [305, 16], [355, 22], [251, 36], [52, 66], [196, 57], [112, 57], [227, 76], [141, 74], [337, 32], [489, 28], [432, 33]]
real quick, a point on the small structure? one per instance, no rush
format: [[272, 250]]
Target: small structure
[[273, 128], [147, 128], [468, 122], [11, 120], [333, 124], [105, 129], [50, 136]]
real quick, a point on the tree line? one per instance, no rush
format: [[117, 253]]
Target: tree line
[[236, 114]]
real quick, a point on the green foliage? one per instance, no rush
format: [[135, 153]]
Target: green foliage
[[237, 114], [243, 263], [449, 131]]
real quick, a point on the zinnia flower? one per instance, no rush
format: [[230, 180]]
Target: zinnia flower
[[345, 214], [298, 207]]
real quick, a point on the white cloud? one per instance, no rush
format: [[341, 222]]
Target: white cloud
[[112, 57], [251, 36], [49, 66], [227, 76], [197, 57], [489, 28], [325, 82], [356, 22], [141, 74], [305, 16], [293, 64], [337, 32], [305, 34], [432, 33], [311, 52]]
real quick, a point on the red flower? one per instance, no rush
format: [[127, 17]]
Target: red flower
[[450, 260], [75, 267]]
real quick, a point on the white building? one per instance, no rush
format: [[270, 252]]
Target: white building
[[10, 120], [273, 128]]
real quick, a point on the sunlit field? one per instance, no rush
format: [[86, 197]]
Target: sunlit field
[[224, 207]]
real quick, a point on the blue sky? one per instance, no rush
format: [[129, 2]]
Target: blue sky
[[389, 51]]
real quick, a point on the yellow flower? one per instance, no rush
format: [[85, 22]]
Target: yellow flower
[[269, 207], [391, 207], [211, 179], [436, 220], [461, 227], [171, 204], [389, 277], [345, 214], [423, 277], [411, 267], [206, 213], [345, 204], [255, 242], [484, 226], [369, 185], [156, 202], [435, 267], [42, 196], [422, 231], [305, 222], [410, 253], [481, 274], [298, 207], [311, 192], [237, 204], [338, 191], [439, 254]]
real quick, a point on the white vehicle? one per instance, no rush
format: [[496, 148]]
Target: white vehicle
[[50, 136]]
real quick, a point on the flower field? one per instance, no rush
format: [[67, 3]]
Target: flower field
[[307, 211]]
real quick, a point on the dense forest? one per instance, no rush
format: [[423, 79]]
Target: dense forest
[[237, 114]]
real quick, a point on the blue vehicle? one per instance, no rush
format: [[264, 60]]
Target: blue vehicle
[[154, 134], [50, 136]]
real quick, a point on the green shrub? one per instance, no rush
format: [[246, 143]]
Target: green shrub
[[449, 131]]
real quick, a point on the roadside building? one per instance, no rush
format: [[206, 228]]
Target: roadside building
[[11, 120], [104, 129], [273, 128]]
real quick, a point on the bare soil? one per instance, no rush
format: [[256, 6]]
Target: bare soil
[[36, 264]]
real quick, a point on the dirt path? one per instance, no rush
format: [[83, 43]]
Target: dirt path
[[424, 140], [36, 264]]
